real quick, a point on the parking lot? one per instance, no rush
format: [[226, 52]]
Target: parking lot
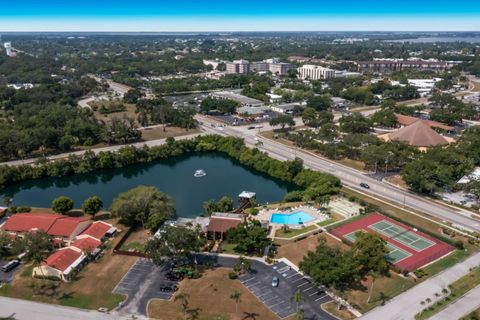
[[7, 277], [141, 284], [278, 299]]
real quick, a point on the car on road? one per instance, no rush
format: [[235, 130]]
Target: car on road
[[10, 266], [364, 185], [275, 282]]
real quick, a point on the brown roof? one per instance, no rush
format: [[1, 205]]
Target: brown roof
[[408, 120], [418, 134], [223, 224]]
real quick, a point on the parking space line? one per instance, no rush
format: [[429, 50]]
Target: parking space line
[[253, 284], [308, 289], [303, 284], [322, 297], [245, 281], [295, 274], [313, 294], [298, 280]]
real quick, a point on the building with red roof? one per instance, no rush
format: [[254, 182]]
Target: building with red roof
[[99, 230], [61, 263], [220, 223], [86, 244], [59, 226]]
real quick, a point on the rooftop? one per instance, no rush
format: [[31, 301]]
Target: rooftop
[[62, 259], [418, 134], [222, 222], [408, 120], [236, 97]]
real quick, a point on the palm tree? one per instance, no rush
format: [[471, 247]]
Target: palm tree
[[183, 298], [300, 314], [236, 297], [374, 277], [297, 298]]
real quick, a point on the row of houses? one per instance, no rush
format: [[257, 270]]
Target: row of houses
[[77, 239]]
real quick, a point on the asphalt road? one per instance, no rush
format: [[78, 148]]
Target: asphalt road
[[407, 304], [461, 307], [349, 177]]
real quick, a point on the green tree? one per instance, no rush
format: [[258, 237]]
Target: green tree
[[370, 251], [297, 298], [62, 204], [92, 205], [250, 238], [175, 242], [145, 205], [320, 102], [235, 296], [384, 117], [330, 266], [37, 246], [4, 244], [282, 120]]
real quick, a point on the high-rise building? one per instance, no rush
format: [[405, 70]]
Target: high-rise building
[[8, 48], [279, 68], [238, 66], [313, 72]]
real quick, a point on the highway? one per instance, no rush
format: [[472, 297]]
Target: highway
[[349, 176]]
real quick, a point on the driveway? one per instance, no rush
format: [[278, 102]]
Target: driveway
[[278, 299], [142, 282], [7, 277]]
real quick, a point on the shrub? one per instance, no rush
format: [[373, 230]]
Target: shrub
[[232, 275]]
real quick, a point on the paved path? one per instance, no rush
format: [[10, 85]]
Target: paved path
[[151, 143], [461, 307], [28, 310], [349, 176], [407, 304]]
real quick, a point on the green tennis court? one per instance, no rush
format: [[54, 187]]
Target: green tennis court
[[396, 254], [402, 235]]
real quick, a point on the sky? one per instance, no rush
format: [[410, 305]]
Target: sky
[[240, 15]]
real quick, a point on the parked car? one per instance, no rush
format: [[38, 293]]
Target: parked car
[[364, 185], [10, 266], [168, 288], [251, 128], [275, 282]]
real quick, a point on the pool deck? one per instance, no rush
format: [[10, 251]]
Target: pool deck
[[265, 215]]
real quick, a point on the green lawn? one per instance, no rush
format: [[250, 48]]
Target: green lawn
[[135, 246], [83, 301], [290, 233], [326, 222], [229, 248], [450, 260], [457, 289]]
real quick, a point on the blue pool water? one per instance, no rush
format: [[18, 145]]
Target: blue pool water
[[292, 218]]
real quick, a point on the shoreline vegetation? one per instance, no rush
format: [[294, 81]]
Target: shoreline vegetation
[[315, 184]]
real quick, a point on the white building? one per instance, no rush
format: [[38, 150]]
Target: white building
[[243, 100], [313, 72], [238, 66], [8, 49], [424, 86], [280, 68]]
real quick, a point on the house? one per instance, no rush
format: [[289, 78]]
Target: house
[[60, 227], [404, 121], [285, 108], [87, 244], [243, 100], [418, 134], [220, 223], [99, 230], [61, 264]]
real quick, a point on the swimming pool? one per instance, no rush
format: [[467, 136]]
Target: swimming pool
[[298, 217]]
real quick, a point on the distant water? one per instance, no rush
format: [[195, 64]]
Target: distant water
[[438, 39], [173, 176]]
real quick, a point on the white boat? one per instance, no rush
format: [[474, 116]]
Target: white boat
[[199, 173]]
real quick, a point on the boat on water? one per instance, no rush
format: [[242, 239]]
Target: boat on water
[[199, 173]]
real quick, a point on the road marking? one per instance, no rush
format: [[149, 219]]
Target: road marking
[[313, 293], [295, 274], [245, 281], [303, 284], [308, 289], [321, 297], [298, 280]]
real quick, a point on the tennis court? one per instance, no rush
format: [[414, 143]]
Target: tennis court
[[409, 249], [395, 253], [402, 235]]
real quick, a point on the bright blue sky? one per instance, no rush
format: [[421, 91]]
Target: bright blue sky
[[247, 15]]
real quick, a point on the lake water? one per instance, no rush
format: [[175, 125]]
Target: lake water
[[174, 176]]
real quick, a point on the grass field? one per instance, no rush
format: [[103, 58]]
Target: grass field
[[136, 240], [92, 288], [290, 233], [294, 251], [332, 308], [158, 133], [457, 289], [211, 295]]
